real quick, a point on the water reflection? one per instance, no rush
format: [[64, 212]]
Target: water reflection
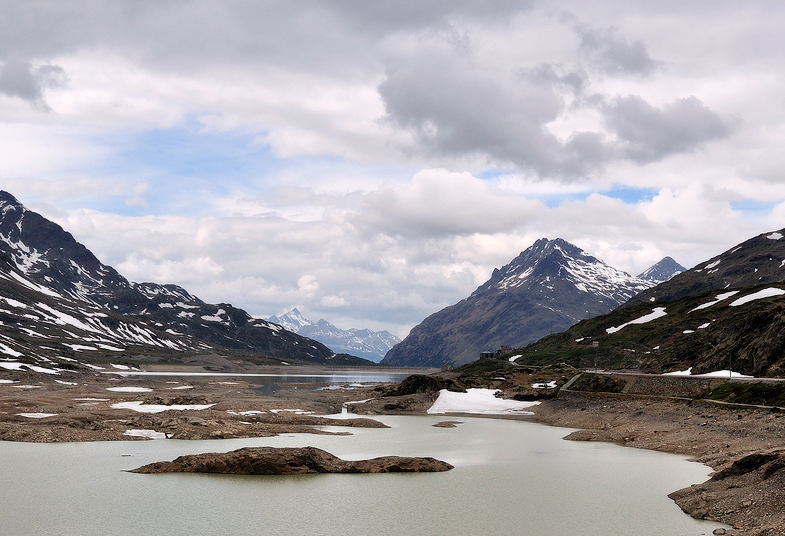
[[271, 382]]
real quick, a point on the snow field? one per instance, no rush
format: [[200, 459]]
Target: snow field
[[479, 401]]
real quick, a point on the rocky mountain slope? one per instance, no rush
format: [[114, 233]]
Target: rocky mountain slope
[[43, 264], [372, 345], [662, 271], [726, 313], [757, 261], [546, 289]]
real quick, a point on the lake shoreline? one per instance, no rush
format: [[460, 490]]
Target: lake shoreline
[[749, 500], [715, 436]]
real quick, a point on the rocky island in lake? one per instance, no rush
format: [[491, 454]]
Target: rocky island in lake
[[290, 461]]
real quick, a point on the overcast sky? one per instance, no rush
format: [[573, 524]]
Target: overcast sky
[[371, 162]]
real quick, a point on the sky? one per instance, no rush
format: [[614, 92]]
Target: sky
[[371, 162]]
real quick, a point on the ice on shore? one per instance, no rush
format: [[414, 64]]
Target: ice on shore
[[150, 434], [158, 408], [549, 385], [36, 415], [129, 389], [480, 401]]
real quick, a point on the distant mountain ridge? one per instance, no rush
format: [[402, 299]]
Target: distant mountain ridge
[[547, 288], [371, 345], [41, 257]]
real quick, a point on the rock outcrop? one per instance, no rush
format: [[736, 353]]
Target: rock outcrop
[[289, 461]]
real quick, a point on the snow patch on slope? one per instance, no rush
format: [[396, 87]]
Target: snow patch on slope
[[657, 312]]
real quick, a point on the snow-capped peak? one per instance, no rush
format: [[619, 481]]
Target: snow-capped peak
[[549, 261], [291, 321]]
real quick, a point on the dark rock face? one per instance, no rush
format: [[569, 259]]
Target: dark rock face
[[546, 289], [289, 461]]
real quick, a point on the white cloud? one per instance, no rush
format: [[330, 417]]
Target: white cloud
[[440, 202], [308, 285]]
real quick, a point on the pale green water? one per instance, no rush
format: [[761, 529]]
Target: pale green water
[[511, 478]]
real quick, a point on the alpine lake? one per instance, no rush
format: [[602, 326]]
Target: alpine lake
[[511, 477]]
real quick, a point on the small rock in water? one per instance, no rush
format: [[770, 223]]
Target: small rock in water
[[447, 424], [720, 531]]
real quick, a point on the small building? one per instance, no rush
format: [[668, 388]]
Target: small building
[[487, 355]]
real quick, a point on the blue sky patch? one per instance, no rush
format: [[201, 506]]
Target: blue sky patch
[[753, 210], [629, 194]]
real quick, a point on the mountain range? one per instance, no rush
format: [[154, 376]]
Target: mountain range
[[549, 287], [371, 345], [726, 313], [58, 301]]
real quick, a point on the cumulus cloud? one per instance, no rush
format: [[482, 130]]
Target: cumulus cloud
[[438, 202], [422, 83], [20, 79], [612, 53], [455, 109], [648, 133]]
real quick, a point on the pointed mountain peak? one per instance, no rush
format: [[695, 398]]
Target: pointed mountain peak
[[293, 320], [662, 271], [547, 261], [8, 199]]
